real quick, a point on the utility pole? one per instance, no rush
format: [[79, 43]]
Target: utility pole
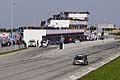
[[12, 16]]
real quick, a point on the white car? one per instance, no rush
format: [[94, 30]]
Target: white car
[[32, 43], [44, 43]]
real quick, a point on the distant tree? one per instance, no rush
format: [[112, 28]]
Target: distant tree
[[2, 29], [48, 20], [15, 29], [9, 30], [92, 28], [43, 23]]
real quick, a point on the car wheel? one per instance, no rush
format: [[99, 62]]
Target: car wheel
[[74, 63], [85, 63]]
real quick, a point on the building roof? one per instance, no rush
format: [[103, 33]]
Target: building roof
[[77, 12]]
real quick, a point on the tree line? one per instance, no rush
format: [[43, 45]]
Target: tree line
[[8, 30]]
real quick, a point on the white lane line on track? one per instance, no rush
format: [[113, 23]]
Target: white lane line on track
[[89, 69], [36, 56]]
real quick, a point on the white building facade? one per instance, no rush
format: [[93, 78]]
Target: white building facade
[[32, 34], [73, 20], [106, 28], [37, 35], [67, 24]]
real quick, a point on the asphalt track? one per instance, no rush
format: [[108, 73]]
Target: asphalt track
[[52, 63]]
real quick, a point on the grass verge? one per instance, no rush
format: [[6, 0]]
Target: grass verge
[[11, 51], [110, 71]]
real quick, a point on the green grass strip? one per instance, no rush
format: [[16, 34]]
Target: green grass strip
[[12, 51], [110, 71]]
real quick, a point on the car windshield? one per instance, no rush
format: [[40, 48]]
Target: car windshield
[[32, 41], [43, 41], [78, 57]]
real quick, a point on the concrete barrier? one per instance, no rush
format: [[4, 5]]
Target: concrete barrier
[[72, 45], [11, 48]]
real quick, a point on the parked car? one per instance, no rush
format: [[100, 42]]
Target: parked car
[[32, 43], [44, 43], [76, 41], [5, 42], [80, 59], [68, 40]]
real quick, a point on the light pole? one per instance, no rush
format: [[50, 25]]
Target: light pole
[[12, 16]]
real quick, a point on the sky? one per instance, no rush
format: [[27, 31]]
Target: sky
[[31, 12]]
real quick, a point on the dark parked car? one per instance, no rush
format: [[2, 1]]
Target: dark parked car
[[80, 59]]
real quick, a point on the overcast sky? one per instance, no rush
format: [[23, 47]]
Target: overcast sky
[[31, 12]]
